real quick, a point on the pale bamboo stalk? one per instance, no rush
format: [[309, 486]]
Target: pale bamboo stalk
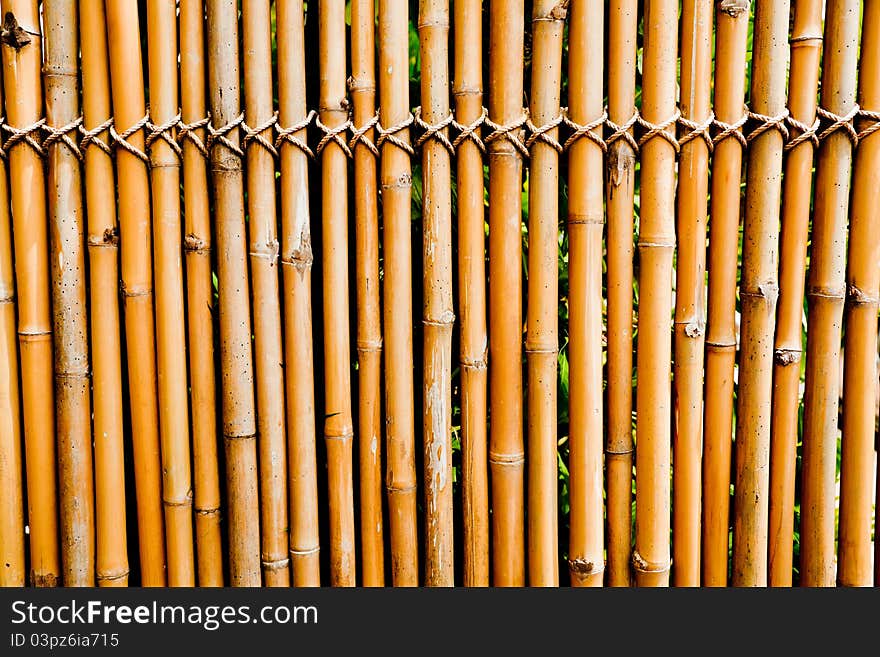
[[296, 258], [396, 182], [806, 52], [690, 291], [21, 43], [338, 429], [860, 353], [264, 251], [826, 293], [468, 93], [170, 328], [103, 245], [586, 220], [236, 356], [438, 316], [362, 86], [621, 162], [73, 422], [731, 35], [200, 298], [542, 337], [506, 457], [651, 558], [758, 293]]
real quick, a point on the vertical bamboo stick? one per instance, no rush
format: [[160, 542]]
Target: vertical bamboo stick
[[257, 42], [362, 86], [690, 289], [506, 458], [21, 42], [860, 365], [11, 482], [338, 430], [758, 292], [103, 246], [170, 329], [806, 52], [731, 37], [396, 181], [621, 161], [468, 93], [585, 223], [296, 258], [236, 357], [438, 316], [826, 293], [72, 386], [542, 339], [656, 245], [199, 295]]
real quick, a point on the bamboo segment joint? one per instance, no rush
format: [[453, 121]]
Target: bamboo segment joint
[[641, 565], [582, 568], [859, 297], [112, 575], [786, 357], [516, 458], [304, 553], [278, 564]]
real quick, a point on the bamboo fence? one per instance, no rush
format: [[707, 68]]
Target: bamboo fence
[[650, 231]]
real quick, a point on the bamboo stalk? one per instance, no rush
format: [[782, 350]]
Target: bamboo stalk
[[506, 458], [170, 329], [542, 339], [758, 293], [396, 183], [585, 223], [72, 386], [621, 161], [11, 482], [651, 559], [690, 291], [338, 429], [806, 52], [296, 258], [21, 43], [468, 94], [362, 86], [103, 246], [236, 357], [731, 36], [860, 353], [200, 297], [257, 42], [438, 316], [826, 293]]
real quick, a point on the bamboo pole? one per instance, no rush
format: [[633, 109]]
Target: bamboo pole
[[103, 246], [690, 289], [621, 162], [236, 357], [438, 316], [542, 339], [199, 295], [506, 458], [296, 258], [21, 43], [396, 183], [338, 429], [731, 36], [264, 251], [11, 482], [806, 52], [72, 386], [468, 94], [826, 293], [651, 559], [585, 223], [362, 86], [860, 353], [758, 293], [170, 328]]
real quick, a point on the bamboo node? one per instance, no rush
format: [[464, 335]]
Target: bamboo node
[[165, 132], [872, 127], [786, 357], [698, 130], [767, 123], [122, 139], [92, 136], [807, 133], [470, 131], [731, 130], [210, 511], [289, 134], [277, 564], [540, 133], [304, 553], [768, 292], [582, 568], [641, 565], [12, 33], [859, 297], [585, 130], [390, 134], [359, 135], [194, 244], [112, 575], [56, 135], [271, 253], [475, 364], [218, 135], [433, 130], [185, 502], [188, 131], [256, 134], [623, 131], [840, 122], [695, 328], [496, 458], [512, 132], [660, 130], [734, 8], [26, 135]]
